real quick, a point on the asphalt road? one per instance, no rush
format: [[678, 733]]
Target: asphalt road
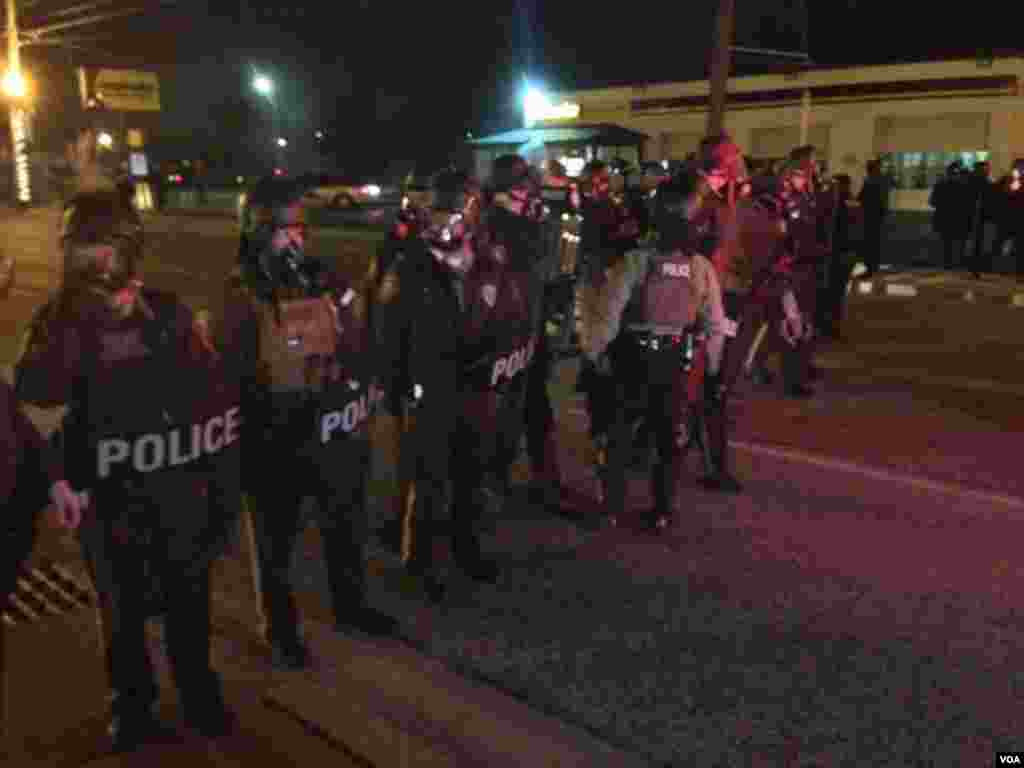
[[883, 516]]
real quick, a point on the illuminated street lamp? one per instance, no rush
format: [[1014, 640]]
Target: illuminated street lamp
[[538, 107], [319, 134], [14, 85], [263, 85], [282, 143], [105, 140]]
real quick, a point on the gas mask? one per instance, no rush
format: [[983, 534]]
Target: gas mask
[[102, 245], [450, 240]]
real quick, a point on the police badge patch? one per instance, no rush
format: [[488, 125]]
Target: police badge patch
[[489, 293]]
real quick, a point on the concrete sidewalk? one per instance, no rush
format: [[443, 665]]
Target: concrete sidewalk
[[365, 703]]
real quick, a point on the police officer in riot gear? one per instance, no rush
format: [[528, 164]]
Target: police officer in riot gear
[[295, 336], [458, 322], [652, 318], [151, 434], [715, 182], [516, 223], [605, 236], [806, 216], [417, 320]]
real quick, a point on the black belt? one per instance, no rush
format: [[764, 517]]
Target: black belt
[[683, 343], [660, 341]]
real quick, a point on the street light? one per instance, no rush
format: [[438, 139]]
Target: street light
[[105, 140], [263, 84], [14, 85], [319, 134]]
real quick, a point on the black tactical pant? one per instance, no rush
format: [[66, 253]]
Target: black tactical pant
[[18, 526], [540, 415], [752, 313], [485, 442], [649, 385], [131, 540], [599, 390], [424, 461], [335, 477]]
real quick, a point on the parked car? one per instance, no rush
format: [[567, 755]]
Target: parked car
[[336, 192]]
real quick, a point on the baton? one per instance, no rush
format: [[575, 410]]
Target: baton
[[254, 565], [748, 365]]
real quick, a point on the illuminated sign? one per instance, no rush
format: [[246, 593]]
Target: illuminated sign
[[128, 90], [537, 108]]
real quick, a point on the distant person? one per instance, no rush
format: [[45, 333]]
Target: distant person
[[841, 257], [874, 203], [980, 191], [1008, 215], [951, 219]]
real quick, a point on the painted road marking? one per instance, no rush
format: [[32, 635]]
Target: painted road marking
[[900, 289], [874, 473]]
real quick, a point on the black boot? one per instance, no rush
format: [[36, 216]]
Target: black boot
[[664, 476], [368, 620], [129, 731], [289, 653], [471, 561], [794, 373], [761, 376]]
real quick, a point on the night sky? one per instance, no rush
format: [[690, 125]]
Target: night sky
[[404, 81]]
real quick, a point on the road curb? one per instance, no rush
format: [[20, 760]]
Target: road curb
[[423, 707]]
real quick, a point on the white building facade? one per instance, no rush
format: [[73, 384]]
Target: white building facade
[[916, 118]]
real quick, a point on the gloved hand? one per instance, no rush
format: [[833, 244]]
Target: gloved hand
[[792, 329], [67, 505]]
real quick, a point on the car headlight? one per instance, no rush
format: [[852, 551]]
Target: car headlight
[[372, 190]]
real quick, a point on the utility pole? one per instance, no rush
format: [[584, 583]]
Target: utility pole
[[805, 101], [721, 60], [14, 85]]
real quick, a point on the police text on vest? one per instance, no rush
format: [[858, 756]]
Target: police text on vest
[[350, 418], [179, 446], [671, 269], [509, 365]]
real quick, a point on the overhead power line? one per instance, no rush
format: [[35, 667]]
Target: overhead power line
[[95, 19]]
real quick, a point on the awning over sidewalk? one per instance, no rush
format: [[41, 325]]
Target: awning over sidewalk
[[601, 135]]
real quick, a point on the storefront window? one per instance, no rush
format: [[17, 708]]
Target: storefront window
[[920, 170]]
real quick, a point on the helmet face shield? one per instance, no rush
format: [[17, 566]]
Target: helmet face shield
[[447, 230], [101, 241]]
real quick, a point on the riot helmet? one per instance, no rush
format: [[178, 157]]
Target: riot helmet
[[597, 178], [516, 187], [800, 169], [671, 214], [720, 162], [274, 231], [101, 239], [453, 219]]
